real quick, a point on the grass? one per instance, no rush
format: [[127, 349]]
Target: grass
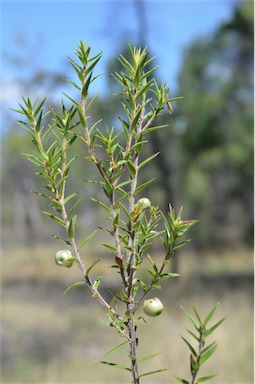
[[50, 338]]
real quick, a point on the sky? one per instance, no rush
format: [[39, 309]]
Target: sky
[[44, 32]]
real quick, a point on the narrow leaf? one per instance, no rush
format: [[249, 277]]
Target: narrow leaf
[[204, 378], [152, 372], [147, 358], [109, 246], [62, 240], [169, 275], [115, 365], [189, 346], [92, 265], [209, 331], [210, 314], [143, 163], [191, 318], [207, 354], [144, 185], [116, 348], [73, 286], [183, 381], [86, 239], [57, 219]]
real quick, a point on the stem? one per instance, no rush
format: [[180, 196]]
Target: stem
[[132, 267], [200, 349]]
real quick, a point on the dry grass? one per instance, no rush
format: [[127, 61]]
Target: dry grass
[[50, 338]]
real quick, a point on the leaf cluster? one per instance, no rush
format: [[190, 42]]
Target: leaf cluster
[[204, 352]]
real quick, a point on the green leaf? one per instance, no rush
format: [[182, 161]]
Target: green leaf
[[192, 334], [57, 219], [191, 318], [189, 346], [85, 87], [71, 196], [73, 207], [102, 205], [169, 275], [97, 282], [146, 161], [197, 315], [144, 185], [210, 314], [73, 286], [71, 227], [86, 239], [207, 354], [209, 331], [204, 378], [152, 372], [131, 169], [120, 346], [193, 365], [183, 381], [136, 118], [145, 88], [153, 264], [147, 358], [92, 265], [143, 285], [90, 68], [62, 240], [109, 246], [115, 365]]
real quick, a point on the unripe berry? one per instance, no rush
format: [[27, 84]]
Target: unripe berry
[[64, 258], [153, 307]]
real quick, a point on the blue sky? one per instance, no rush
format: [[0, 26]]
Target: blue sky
[[51, 29]]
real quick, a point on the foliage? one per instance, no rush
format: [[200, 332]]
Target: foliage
[[216, 130], [132, 222], [203, 353]]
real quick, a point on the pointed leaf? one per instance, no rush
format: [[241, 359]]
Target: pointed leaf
[[115, 365], [143, 163], [122, 345], [204, 378], [209, 331], [210, 314], [147, 358], [197, 315], [189, 346], [183, 381], [169, 275], [62, 240], [207, 354], [86, 239], [73, 207], [190, 318], [97, 282], [57, 219], [73, 286], [71, 228], [144, 185], [109, 246], [152, 372], [92, 265]]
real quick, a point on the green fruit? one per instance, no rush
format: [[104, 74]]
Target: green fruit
[[64, 258], [144, 204], [153, 307]]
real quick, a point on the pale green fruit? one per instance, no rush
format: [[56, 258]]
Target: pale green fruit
[[153, 307], [64, 258], [143, 204]]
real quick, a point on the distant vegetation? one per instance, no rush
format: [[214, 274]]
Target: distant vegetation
[[206, 162]]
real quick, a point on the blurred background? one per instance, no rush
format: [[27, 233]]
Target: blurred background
[[204, 50]]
